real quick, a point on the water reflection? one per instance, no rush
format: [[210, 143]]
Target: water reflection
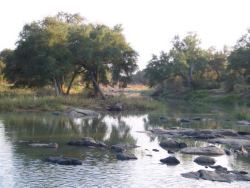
[[100, 168]]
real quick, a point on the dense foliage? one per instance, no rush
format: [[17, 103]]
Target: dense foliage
[[55, 50], [188, 66]]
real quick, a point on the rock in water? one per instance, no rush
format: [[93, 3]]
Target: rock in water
[[210, 150], [87, 142], [155, 150], [172, 144], [184, 120], [81, 113], [220, 174], [170, 161], [116, 107], [204, 160], [64, 160], [125, 156], [122, 147], [117, 148], [44, 145], [243, 122]]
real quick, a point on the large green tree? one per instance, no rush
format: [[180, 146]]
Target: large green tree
[[42, 56], [102, 55], [188, 61]]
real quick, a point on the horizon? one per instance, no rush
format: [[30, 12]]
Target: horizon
[[149, 26]]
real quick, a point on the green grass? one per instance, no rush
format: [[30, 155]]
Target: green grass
[[42, 100]]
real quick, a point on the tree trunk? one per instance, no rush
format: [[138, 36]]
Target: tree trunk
[[56, 87], [97, 88], [70, 83], [190, 76]]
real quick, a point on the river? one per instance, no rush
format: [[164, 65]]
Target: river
[[22, 166]]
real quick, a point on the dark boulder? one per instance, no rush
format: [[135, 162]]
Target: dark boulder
[[115, 107], [126, 156], [117, 148], [184, 120], [197, 119], [64, 160], [170, 161], [172, 144], [155, 150], [204, 160]]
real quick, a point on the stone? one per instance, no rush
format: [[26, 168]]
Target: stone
[[220, 174], [155, 150], [81, 113], [44, 145], [235, 143], [191, 175], [117, 148], [243, 122], [87, 142], [122, 147], [126, 156], [209, 150], [170, 152], [64, 160], [172, 144], [204, 160], [170, 161], [117, 107], [197, 119], [184, 120], [214, 176], [227, 151]]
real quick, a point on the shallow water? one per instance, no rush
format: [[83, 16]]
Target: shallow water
[[23, 166]]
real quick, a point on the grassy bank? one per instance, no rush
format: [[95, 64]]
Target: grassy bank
[[40, 100]]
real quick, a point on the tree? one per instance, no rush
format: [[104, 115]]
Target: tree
[[239, 59], [42, 56], [5, 56], [186, 60], [100, 51]]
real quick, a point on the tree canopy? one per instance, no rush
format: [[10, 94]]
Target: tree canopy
[[55, 50]]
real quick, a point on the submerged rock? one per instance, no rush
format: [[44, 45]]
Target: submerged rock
[[117, 148], [232, 142], [64, 160], [182, 120], [172, 144], [155, 150], [204, 160], [217, 175], [197, 119], [122, 147], [170, 161], [87, 142], [243, 122], [115, 107], [44, 145], [81, 113], [210, 150], [126, 156]]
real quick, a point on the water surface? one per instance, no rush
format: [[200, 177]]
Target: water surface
[[23, 166]]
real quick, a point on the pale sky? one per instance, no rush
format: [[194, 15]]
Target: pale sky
[[149, 25]]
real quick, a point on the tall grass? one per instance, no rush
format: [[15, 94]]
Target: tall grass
[[42, 100]]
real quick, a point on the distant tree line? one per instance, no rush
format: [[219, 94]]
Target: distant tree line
[[187, 65], [56, 50]]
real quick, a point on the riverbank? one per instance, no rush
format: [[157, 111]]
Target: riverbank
[[57, 103]]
